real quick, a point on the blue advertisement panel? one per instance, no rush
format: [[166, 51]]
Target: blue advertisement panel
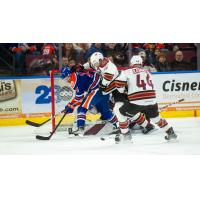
[[36, 96]]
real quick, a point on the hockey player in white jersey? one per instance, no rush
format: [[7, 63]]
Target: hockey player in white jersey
[[109, 73], [106, 68], [141, 101]]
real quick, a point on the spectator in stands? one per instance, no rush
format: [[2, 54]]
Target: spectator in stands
[[185, 46], [48, 49], [160, 46], [146, 64], [179, 64], [71, 53], [49, 52], [110, 49], [7, 67], [149, 50], [153, 56], [82, 47], [20, 50], [181, 46], [95, 47], [117, 53], [64, 61], [149, 46], [41, 65], [152, 50], [161, 63], [136, 48], [120, 55], [175, 48], [72, 63], [38, 48]]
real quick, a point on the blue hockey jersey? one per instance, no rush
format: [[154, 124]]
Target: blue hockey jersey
[[84, 82]]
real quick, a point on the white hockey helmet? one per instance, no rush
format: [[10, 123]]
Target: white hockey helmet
[[95, 59], [136, 60]]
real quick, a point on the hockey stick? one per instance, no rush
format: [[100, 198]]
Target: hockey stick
[[39, 137], [35, 124], [180, 100]]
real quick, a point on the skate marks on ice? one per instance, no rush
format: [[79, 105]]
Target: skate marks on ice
[[21, 140]]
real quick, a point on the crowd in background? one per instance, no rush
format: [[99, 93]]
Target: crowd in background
[[22, 59], [29, 58]]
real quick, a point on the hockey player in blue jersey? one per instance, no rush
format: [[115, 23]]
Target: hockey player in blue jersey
[[87, 95]]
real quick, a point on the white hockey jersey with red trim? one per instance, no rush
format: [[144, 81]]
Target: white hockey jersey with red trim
[[139, 85], [108, 71]]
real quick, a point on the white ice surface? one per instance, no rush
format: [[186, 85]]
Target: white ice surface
[[21, 140]]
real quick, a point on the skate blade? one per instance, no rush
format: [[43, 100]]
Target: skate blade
[[128, 141], [71, 136], [125, 142], [173, 140], [80, 135], [151, 131]]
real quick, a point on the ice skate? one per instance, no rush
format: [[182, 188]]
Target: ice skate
[[70, 132], [170, 134], [134, 126], [125, 138], [148, 129], [79, 131], [118, 138], [111, 134]]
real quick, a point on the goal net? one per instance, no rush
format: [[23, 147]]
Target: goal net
[[61, 94]]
